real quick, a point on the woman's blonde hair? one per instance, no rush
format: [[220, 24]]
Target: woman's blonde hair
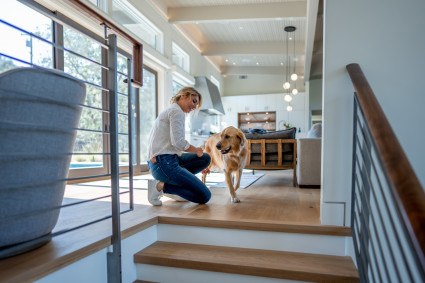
[[186, 91]]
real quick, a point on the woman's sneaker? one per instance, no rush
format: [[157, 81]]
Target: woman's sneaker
[[153, 194]]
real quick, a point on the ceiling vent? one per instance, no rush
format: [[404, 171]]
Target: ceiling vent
[[243, 77]]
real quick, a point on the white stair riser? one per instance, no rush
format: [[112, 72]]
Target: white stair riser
[[165, 274], [279, 241]]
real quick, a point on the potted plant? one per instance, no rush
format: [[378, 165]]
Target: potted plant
[[284, 125]]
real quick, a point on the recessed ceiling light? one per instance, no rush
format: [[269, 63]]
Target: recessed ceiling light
[[281, 63], [258, 63], [240, 27], [227, 60], [290, 38], [234, 63]]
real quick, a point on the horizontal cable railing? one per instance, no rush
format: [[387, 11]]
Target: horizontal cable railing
[[388, 201], [112, 113]]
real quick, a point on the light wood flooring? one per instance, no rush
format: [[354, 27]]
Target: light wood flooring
[[271, 199]]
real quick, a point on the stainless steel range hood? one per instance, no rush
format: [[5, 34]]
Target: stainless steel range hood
[[211, 99]]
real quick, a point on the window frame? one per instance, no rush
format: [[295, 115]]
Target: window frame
[[145, 23]]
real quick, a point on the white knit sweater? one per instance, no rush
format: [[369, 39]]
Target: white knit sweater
[[167, 135]]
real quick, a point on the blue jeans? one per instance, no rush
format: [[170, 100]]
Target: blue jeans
[[178, 175]]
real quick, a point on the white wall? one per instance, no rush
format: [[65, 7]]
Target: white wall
[[386, 38]]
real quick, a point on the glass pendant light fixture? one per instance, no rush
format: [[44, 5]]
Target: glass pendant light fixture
[[287, 84], [294, 75]]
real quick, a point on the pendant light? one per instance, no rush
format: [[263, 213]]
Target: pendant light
[[294, 75], [287, 84]]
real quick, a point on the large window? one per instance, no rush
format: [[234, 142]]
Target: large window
[[181, 58], [101, 4], [128, 16], [90, 138], [22, 48], [147, 110], [176, 87]]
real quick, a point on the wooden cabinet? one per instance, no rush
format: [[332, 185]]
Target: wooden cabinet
[[257, 120]]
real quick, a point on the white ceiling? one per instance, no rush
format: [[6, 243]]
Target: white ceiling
[[247, 36]]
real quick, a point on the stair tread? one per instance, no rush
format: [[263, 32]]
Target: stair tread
[[257, 225], [266, 263]]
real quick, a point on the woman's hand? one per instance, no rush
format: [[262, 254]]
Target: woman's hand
[[199, 152]]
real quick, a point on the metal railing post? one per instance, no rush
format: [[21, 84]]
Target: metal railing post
[[114, 257], [130, 116]]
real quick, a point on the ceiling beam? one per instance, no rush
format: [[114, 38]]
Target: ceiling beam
[[237, 12], [271, 48], [240, 70]]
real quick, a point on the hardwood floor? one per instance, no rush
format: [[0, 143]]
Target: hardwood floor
[[271, 199]]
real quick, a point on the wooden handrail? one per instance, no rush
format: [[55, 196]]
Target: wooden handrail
[[410, 196], [137, 80]]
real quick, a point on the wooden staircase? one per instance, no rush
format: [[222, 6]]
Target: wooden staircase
[[198, 254]]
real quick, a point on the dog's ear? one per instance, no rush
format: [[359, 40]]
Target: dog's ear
[[241, 136]]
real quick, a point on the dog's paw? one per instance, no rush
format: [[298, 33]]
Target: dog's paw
[[235, 199]]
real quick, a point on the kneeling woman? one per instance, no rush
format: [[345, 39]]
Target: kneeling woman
[[173, 170]]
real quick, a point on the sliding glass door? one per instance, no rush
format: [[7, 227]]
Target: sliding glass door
[[147, 113]]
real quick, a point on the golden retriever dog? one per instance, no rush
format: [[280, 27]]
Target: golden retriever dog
[[229, 152]]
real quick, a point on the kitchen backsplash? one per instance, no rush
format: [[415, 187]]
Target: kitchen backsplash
[[203, 124]]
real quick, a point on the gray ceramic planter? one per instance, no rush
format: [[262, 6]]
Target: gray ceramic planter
[[38, 115]]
